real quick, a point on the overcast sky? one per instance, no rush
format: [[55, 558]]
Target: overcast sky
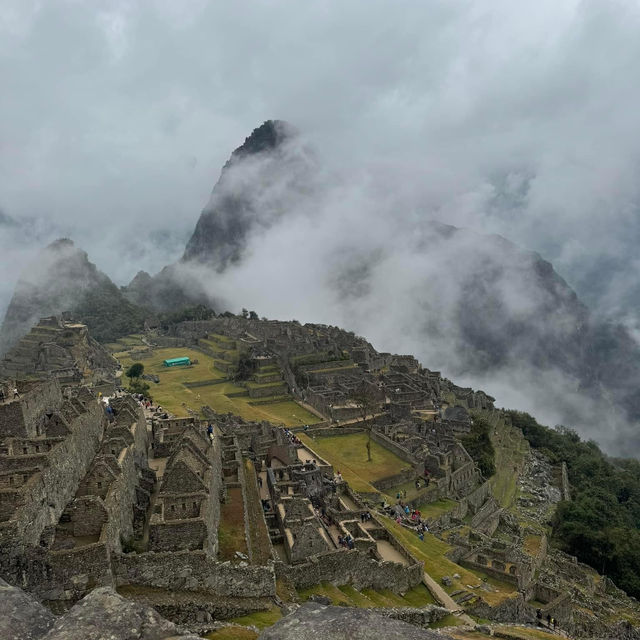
[[506, 116]]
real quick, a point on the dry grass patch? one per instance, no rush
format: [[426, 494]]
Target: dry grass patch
[[231, 532]]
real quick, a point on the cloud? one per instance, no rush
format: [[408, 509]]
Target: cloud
[[501, 117]]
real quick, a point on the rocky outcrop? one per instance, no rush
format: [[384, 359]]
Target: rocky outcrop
[[314, 621], [22, 617], [102, 615], [105, 615]]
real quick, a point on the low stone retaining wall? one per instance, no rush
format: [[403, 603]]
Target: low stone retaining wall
[[193, 571], [351, 567]]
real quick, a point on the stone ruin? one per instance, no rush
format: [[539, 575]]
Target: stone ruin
[[60, 349]]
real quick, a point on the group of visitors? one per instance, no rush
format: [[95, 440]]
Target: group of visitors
[[365, 516], [551, 622], [15, 394], [293, 438], [347, 541]]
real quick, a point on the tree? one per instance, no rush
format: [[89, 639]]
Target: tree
[[135, 370], [139, 386], [253, 315], [366, 398]]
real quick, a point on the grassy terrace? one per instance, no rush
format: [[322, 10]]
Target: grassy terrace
[[432, 552], [231, 534], [348, 454], [171, 393], [348, 596], [513, 633]]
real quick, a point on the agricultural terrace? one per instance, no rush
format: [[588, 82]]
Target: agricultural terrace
[[348, 454], [432, 551], [221, 394]]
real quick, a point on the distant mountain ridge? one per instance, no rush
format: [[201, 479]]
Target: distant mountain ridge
[[62, 279]]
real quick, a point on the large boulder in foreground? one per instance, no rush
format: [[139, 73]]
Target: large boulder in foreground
[[22, 617], [313, 621], [105, 615]]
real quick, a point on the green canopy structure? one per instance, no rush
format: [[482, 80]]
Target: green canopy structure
[[177, 362]]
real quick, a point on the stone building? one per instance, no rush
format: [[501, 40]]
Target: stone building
[[187, 509]]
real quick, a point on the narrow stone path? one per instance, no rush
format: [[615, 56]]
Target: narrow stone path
[[445, 599]]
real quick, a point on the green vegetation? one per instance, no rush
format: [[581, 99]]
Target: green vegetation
[[139, 386], [260, 619], [135, 370], [601, 525], [172, 394], [432, 552], [197, 312], [437, 508], [232, 633], [107, 313], [348, 454], [349, 596], [479, 446]]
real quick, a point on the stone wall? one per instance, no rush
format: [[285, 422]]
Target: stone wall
[[194, 571], [22, 418], [392, 481], [55, 486], [565, 487], [394, 447], [351, 567], [120, 500]]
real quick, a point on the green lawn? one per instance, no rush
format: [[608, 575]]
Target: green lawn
[[437, 508], [171, 393], [348, 454]]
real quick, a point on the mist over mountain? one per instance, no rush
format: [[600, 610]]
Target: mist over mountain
[[269, 160], [62, 279], [334, 248]]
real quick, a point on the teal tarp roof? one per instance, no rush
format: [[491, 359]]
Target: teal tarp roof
[[171, 361]]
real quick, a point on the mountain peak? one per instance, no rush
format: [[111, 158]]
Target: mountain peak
[[268, 136], [237, 202]]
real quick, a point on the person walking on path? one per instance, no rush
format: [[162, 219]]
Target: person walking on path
[[15, 393]]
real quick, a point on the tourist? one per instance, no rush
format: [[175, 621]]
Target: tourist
[[210, 433], [539, 616], [1, 395], [549, 620], [15, 393], [421, 536], [555, 623]]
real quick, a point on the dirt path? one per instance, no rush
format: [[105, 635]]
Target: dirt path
[[264, 491], [390, 553]]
